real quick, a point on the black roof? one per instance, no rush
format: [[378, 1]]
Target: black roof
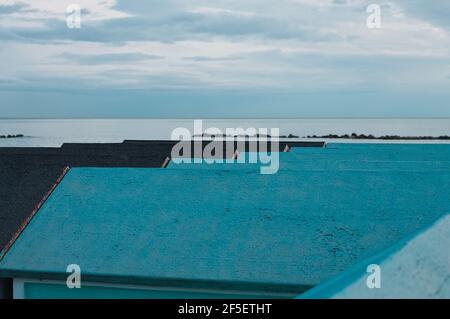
[[27, 174]]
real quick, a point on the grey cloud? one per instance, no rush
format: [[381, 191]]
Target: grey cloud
[[339, 2], [8, 9], [168, 24], [436, 12], [164, 21], [210, 59], [169, 21], [108, 58]]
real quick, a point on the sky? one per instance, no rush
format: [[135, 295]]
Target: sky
[[224, 58]]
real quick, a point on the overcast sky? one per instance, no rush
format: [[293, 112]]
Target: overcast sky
[[225, 58]]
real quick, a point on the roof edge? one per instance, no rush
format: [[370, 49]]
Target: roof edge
[[25, 223], [283, 290]]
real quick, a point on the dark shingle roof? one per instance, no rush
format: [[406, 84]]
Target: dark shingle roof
[[28, 173]]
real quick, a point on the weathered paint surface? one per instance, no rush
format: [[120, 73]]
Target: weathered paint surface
[[404, 157], [298, 227], [418, 267]]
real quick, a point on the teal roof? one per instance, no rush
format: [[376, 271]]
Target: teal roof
[[416, 267], [290, 230], [368, 157]]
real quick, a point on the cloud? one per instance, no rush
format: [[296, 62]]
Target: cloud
[[93, 10], [107, 21], [210, 59], [436, 13], [287, 45], [221, 11], [9, 8], [121, 58]]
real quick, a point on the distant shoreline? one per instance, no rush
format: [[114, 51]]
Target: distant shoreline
[[12, 136], [352, 136], [355, 136]]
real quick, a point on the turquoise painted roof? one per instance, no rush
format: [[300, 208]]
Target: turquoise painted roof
[[417, 267], [293, 229], [368, 157]]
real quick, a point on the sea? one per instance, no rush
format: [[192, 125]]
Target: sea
[[55, 132]]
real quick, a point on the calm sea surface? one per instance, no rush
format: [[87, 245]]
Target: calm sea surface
[[54, 132]]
